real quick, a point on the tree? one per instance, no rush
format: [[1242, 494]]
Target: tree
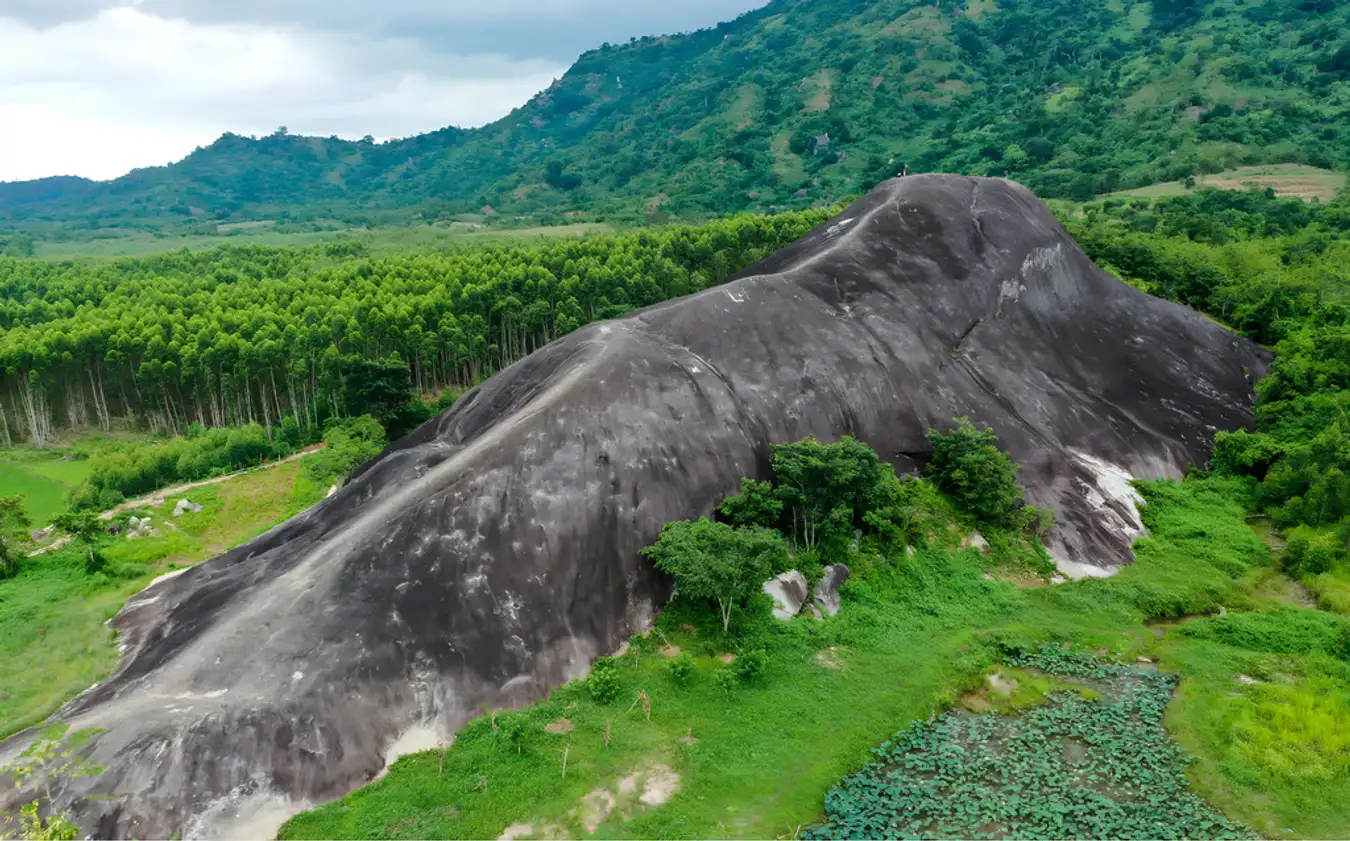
[[715, 561], [13, 534], [84, 528], [828, 487], [979, 477], [376, 387], [755, 505]]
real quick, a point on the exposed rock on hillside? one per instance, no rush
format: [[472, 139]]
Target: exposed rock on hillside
[[493, 553]]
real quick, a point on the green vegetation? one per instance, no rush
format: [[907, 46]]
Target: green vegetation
[[14, 537], [52, 759], [1071, 768], [715, 561], [1309, 183], [45, 478], [287, 339], [753, 757], [53, 640], [800, 102]]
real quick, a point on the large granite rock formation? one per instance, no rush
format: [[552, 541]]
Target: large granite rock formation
[[493, 553]]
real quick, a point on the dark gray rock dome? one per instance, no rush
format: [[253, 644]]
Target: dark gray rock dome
[[493, 553]]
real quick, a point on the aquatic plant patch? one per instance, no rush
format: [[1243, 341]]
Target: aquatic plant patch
[[1074, 767]]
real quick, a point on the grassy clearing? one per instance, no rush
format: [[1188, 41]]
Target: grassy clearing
[[53, 640], [914, 636], [44, 477], [1299, 180]]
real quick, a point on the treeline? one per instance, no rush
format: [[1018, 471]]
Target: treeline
[[256, 335]]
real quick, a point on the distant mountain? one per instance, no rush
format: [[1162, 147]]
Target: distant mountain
[[806, 101]]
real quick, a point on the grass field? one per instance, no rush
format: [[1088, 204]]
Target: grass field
[[43, 478], [53, 641], [1305, 182], [914, 635], [378, 240]]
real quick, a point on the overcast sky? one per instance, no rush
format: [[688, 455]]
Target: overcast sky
[[99, 87]]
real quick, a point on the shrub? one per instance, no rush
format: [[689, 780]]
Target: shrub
[[603, 684], [1308, 552], [348, 444], [726, 681], [979, 477], [750, 666], [681, 668]]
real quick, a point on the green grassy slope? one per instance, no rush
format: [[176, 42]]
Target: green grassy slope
[[53, 640], [914, 635], [43, 478], [809, 100]]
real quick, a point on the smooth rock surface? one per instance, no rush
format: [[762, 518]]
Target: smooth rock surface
[[788, 591], [827, 591], [185, 506], [492, 554]]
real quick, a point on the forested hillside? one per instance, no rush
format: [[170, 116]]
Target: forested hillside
[[804, 102], [253, 335]]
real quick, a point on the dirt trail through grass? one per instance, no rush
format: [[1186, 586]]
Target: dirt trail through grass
[[157, 498]]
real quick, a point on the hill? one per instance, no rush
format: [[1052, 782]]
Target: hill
[[801, 102]]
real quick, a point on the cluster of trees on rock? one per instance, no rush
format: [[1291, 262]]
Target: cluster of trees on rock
[[823, 495], [290, 337]]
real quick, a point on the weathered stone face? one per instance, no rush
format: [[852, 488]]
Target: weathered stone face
[[493, 553], [827, 591], [788, 591]]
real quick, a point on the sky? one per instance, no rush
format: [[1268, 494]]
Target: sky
[[99, 87]]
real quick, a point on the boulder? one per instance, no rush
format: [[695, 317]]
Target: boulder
[[827, 591], [493, 553], [184, 506], [788, 591], [974, 540]]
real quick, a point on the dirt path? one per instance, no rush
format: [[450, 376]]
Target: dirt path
[[156, 499]]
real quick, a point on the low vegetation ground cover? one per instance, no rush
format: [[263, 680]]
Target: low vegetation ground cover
[[754, 754], [46, 478], [53, 640], [1071, 767]]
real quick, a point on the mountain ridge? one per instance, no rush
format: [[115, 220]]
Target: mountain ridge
[[802, 102]]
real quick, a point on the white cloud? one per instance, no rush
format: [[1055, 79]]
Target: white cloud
[[128, 88]]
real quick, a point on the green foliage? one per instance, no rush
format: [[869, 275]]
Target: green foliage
[[970, 468], [54, 642], [348, 444], [714, 561], [603, 682], [1072, 768], [755, 505], [131, 470], [795, 103], [380, 388], [51, 760], [85, 528], [275, 341], [727, 680], [828, 489], [681, 668], [750, 665], [1285, 631], [14, 538]]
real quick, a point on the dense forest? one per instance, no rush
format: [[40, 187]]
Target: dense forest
[[260, 335], [797, 104]]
